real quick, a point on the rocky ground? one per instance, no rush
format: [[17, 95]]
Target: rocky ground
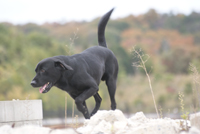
[[112, 122]]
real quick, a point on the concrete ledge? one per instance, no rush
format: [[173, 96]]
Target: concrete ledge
[[21, 123], [21, 112]]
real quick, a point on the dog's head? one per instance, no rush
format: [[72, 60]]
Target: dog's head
[[48, 72]]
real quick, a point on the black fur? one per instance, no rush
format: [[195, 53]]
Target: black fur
[[80, 74]]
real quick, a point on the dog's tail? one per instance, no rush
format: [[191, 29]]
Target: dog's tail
[[101, 28]]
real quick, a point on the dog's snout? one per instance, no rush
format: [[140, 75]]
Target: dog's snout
[[33, 83]]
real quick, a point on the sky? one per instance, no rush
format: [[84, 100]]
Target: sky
[[42, 11]]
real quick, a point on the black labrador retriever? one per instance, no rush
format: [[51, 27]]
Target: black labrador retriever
[[80, 74]]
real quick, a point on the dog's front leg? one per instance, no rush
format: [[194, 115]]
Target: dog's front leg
[[80, 101]]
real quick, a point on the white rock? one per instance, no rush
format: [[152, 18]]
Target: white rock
[[109, 122]]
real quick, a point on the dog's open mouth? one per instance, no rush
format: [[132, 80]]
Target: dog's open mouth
[[45, 88]]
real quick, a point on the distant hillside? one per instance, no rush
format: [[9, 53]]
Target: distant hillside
[[171, 40]]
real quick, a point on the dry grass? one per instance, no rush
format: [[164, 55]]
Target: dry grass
[[72, 40], [196, 82], [66, 111], [141, 64], [75, 36], [196, 94], [184, 115]]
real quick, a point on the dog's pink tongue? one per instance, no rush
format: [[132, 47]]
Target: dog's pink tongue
[[42, 88]]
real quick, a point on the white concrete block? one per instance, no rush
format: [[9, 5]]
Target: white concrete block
[[195, 120], [20, 110]]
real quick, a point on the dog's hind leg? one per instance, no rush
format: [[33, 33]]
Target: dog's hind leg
[[111, 84], [98, 103]]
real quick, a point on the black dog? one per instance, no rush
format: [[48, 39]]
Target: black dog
[[80, 74]]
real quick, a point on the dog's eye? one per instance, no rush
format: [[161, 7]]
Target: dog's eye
[[42, 70]]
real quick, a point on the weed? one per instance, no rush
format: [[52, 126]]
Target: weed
[[65, 110], [76, 125], [196, 81], [184, 115], [70, 52], [72, 110], [180, 97], [72, 41], [160, 110], [141, 63], [196, 94]]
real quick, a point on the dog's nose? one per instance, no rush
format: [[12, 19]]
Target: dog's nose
[[33, 83]]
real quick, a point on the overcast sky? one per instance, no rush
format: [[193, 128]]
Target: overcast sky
[[41, 11]]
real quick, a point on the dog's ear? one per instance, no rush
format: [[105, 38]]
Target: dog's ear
[[61, 65]]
